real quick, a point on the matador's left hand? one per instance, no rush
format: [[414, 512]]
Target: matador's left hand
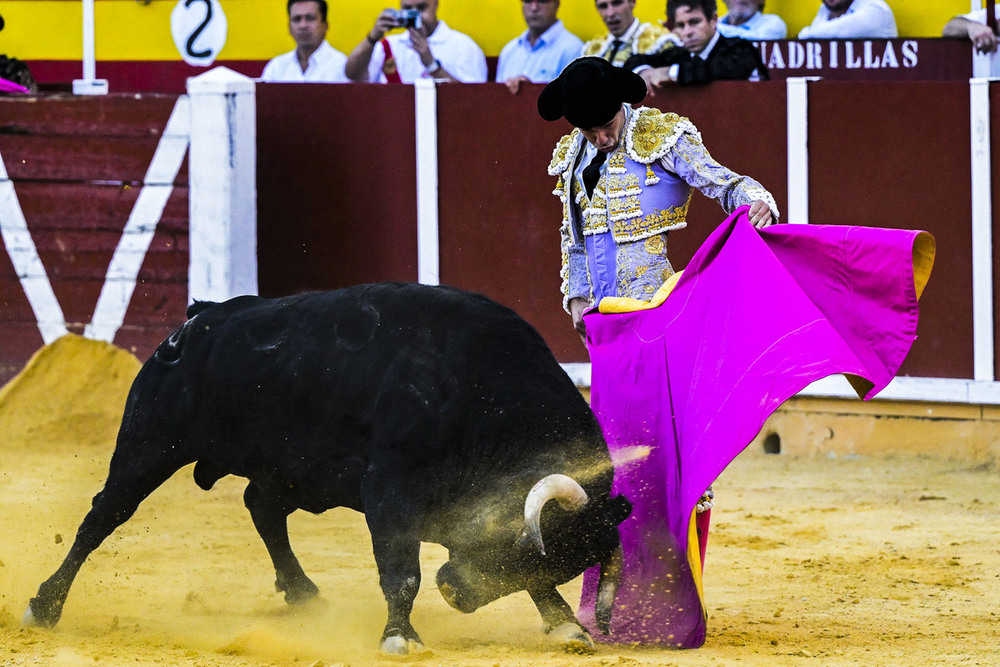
[[760, 214]]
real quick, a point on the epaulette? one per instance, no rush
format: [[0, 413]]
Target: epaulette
[[651, 134], [595, 46], [564, 153], [653, 38]]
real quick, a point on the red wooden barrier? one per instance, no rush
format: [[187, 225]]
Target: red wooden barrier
[[78, 165], [337, 194], [889, 155]]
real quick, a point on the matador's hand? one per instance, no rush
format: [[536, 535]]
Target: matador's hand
[[576, 307], [760, 214]]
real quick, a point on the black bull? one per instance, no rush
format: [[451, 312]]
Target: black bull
[[433, 411]]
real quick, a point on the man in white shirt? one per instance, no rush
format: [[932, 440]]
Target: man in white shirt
[[746, 19], [852, 19], [430, 50], [541, 52], [973, 27], [313, 60]]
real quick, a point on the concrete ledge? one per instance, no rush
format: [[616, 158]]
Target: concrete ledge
[[838, 427]]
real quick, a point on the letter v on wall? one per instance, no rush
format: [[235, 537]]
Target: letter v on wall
[[123, 270]]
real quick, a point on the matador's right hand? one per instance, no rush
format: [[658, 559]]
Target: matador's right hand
[[576, 307]]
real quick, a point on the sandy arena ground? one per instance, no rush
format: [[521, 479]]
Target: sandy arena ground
[[889, 560]]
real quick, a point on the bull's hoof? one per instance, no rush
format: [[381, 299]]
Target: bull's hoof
[[398, 645], [37, 615], [572, 638], [297, 591]]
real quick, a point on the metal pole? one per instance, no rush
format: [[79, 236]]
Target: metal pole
[[89, 84], [89, 58]]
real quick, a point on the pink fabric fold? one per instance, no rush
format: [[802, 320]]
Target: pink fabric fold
[[754, 319], [8, 86]]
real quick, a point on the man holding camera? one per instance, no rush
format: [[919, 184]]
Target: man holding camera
[[428, 49]]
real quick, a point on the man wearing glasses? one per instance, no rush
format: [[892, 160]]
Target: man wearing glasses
[[427, 49]]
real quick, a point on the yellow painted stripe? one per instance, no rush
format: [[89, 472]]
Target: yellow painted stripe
[[131, 30]]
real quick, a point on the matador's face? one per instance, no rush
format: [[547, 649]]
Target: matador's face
[[606, 137]]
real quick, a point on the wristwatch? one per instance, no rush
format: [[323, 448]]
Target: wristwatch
[[434, 66]]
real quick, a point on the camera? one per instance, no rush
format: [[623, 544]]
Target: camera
[[408, 18]]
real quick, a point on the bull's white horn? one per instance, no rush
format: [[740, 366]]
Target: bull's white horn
[[563, 488]]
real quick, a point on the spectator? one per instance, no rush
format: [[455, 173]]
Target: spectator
[[746, 19], [851, 19], [542, 51], [973, 27], [313, 60], [706, 56], [428, 50], [626, 35]]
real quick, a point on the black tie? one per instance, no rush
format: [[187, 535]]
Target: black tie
[[592, 172], [615, 45]]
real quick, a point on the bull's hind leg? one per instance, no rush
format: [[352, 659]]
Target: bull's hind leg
[[129, 483], [270, 518]]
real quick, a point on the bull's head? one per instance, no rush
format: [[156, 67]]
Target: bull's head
[[579, 531]]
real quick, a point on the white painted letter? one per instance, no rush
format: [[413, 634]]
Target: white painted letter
[[814, 55], [852, 63], [909, 49], [889, 57], [796, 55], [777, 62], [871, 62]]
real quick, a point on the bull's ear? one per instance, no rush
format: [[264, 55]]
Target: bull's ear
[[620, 509]]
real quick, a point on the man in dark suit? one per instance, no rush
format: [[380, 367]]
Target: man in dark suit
[[706, 56]]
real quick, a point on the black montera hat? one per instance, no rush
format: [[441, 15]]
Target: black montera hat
[[589, 93]]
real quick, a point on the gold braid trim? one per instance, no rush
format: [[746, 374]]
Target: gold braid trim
[[595, 46], [636, 229], [651, 134], [564, 153], [653, 38]]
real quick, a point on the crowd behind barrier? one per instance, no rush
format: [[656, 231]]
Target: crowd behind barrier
[[130, 71]]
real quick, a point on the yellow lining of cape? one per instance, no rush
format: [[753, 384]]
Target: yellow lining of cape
[[624, 304], [694, 560]]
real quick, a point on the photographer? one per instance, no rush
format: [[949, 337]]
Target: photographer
[[427, 49]]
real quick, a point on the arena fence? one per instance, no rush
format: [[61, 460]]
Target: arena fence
[[110, 231]]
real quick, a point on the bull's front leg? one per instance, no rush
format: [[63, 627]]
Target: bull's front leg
[[560, 623], [270, 517], [398, 561]]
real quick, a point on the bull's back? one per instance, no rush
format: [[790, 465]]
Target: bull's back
[[334, 375]]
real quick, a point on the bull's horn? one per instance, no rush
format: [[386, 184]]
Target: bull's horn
[[607, 589], [563, 488]]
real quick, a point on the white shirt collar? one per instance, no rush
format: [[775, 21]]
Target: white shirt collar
[[629, 34], [705, 52], [544, 38]]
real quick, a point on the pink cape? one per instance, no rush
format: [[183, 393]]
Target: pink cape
[[754, 319], [8, 86]]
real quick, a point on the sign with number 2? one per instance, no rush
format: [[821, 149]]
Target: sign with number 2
[[199, 30]]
